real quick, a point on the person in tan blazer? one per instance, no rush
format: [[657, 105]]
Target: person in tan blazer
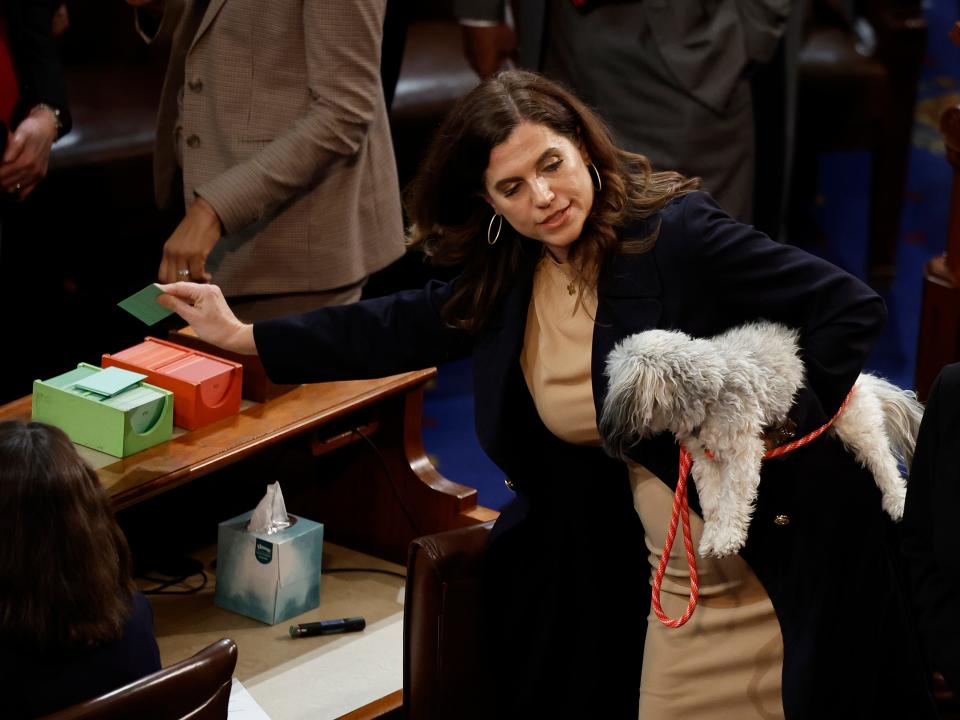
[[272, 124]]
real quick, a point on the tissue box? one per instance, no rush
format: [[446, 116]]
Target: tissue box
[[269, 577], [130, 419], [206, 388]]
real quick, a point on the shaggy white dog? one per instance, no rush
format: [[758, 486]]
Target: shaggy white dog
[[718, 395]]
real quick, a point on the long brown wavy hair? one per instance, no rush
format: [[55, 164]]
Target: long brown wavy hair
[[65, 572], [449, 215]]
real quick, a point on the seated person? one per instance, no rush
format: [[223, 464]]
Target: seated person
[[928, 530], [72, 625]]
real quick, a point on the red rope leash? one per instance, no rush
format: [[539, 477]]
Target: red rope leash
[[681, 513]]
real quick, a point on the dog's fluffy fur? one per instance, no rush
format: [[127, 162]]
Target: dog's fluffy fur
[[718, 395]]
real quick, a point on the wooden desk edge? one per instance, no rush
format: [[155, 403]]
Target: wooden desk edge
[[389, 707], [396, 384], [21, 409]]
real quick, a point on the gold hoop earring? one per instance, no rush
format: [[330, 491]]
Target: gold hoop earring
[[599, 186], [490, 229]]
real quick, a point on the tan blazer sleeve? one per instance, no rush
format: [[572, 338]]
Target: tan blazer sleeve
[[342, 41]]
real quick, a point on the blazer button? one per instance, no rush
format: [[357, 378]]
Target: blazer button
[[781, 520], [195, 85], [193, 141], [509, 483]]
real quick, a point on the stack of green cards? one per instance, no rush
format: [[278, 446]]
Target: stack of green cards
[[109, 410]]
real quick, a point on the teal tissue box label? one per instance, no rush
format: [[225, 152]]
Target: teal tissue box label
[[269, 577]]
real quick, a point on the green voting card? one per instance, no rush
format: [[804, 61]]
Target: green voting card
[[110, 381], [143, 305]]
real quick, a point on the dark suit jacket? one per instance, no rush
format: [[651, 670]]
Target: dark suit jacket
[[705, 46], [670, 77], [35, 57], [931, 543], [567, 575]]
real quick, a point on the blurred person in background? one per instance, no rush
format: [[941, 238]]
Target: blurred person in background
[[277, 144], [33, 97], [672, 79]]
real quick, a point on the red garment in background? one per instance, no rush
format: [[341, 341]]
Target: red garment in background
[[9, 89]]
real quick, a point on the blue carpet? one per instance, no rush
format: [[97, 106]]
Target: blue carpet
[[449, 437], [842, 210]]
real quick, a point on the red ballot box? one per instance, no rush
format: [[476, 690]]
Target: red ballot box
[[205, 388]]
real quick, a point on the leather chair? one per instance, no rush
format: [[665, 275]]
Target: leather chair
[[441, 632], [433, 75], [197, 688], [856, 95]]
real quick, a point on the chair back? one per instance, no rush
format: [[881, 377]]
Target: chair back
[[197, 688], [441, 625]]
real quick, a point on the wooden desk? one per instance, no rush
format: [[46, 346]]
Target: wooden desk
[[318, 678], [378, 499]]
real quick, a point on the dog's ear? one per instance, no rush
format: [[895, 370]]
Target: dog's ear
[[629, 407], [658, 380]]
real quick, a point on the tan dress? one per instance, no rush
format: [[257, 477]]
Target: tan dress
[[727, 661]]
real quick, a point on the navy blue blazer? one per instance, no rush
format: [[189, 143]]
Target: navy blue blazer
[[567, 591], [33, 685]]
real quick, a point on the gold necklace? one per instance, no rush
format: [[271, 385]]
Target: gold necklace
[[571, 284]]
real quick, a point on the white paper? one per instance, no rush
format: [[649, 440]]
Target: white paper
[[242, 706], [336, 678]]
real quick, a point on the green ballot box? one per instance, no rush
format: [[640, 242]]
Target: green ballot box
[[110, 410], [269, 577]]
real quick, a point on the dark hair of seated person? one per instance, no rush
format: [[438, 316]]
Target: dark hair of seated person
[[65, 568]]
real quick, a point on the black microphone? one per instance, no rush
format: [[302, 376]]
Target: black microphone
[[328, 627]]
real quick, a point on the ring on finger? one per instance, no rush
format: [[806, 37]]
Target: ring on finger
[[183, 273]]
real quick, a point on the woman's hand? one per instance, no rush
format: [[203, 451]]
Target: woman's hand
[[185, 252], [28, 153], [207, 312]]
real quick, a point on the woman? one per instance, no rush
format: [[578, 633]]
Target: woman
[[72, 625], [568, 245]]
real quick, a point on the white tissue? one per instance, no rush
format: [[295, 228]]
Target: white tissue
[[270, 515]]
